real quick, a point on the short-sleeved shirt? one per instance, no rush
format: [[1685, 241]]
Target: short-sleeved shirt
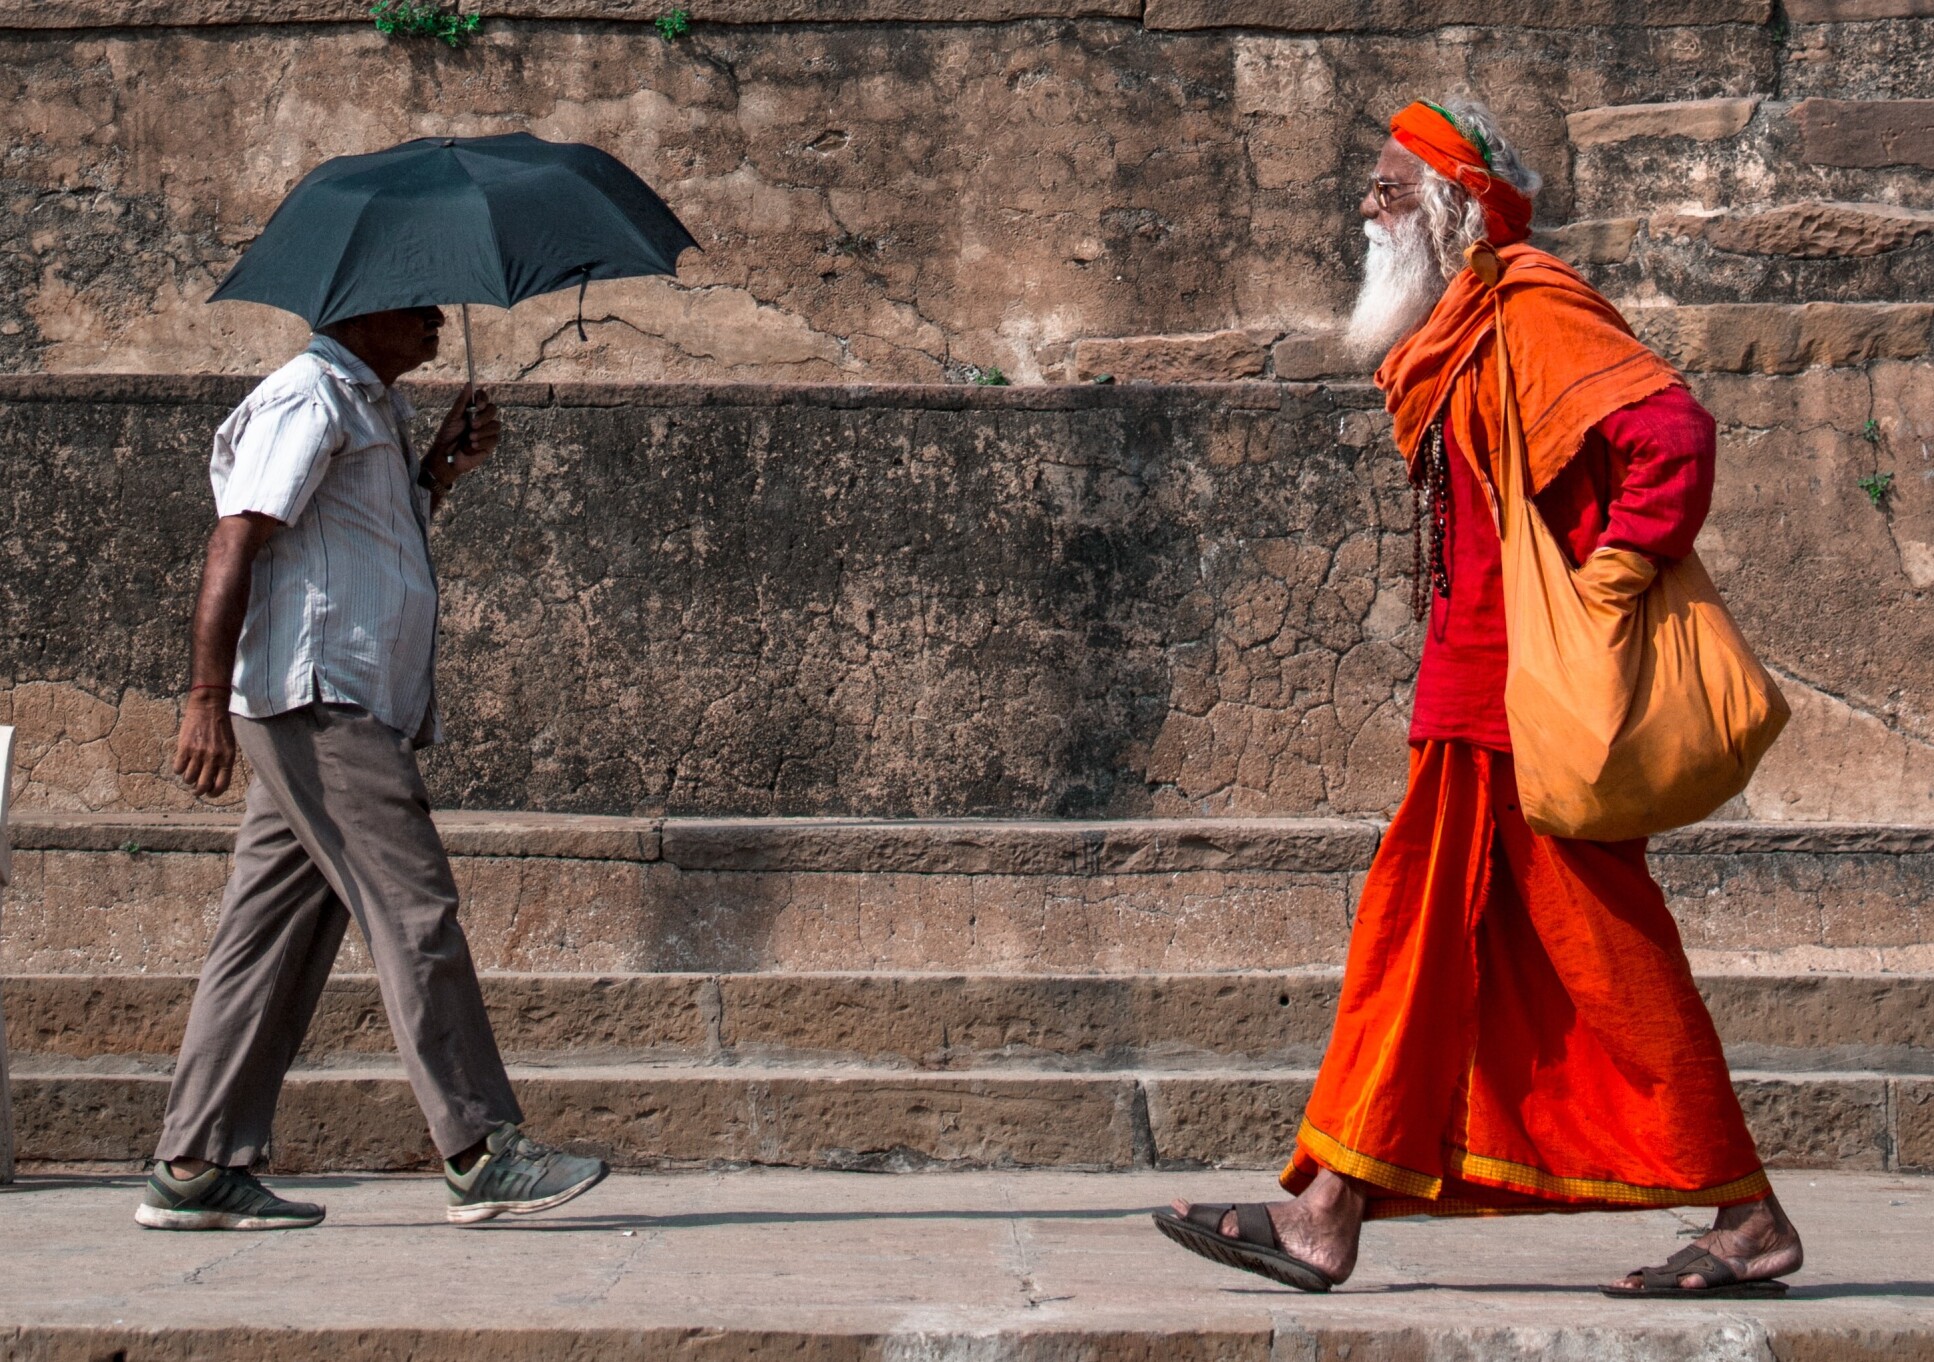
[[343, 602]]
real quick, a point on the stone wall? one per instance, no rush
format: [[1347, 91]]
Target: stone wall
[[886, 199], [1099, 601], [702, 598]]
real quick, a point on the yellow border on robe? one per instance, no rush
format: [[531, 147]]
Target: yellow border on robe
[[1520, 1177], [1339, 1158], [1420, 1193]]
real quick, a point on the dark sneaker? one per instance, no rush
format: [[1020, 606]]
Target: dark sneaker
[[519, 1175], [219, 1199]]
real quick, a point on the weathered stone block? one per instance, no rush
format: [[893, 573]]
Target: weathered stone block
[[31, 14], [1602, 241], [1785, 339], [1821, 1123], [1808, 231], [1848, 1022], [1300, 358], [1880, 132], [1226, 1120], [1385, 15], [855, 1121], [1220, 356], [1914, 1124], [1079, 1022], [1702, 120], [1853, 11]]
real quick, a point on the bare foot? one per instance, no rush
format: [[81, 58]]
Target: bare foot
[[1321, 1227], [1755, 1240]]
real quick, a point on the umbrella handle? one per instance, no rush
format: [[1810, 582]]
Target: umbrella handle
[[470, 369]]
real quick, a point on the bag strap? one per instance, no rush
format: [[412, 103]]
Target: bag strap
[[1514, 470]]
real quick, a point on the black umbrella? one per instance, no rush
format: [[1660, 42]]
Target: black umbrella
[[455, 220]]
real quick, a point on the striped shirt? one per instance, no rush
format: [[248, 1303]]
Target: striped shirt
[[343, 603]]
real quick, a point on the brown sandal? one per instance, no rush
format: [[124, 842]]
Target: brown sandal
[[1254, 1249], [1691, 1261]]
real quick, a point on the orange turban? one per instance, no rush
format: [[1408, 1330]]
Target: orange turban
[[1436, 139]]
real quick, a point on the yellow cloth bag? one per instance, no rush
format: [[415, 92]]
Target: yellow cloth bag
[[1634, 703]]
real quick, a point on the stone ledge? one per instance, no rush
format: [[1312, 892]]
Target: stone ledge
[[1702, 120], [1784, 338], [1207, 357], [1160, 1020], [227, 390], [1396, 16], [952, 847], [1814, 229], [579, 837], [1867, 133], [644, 1116], [70, 14], [1854, 11], [1154, 846], [1310, 16]]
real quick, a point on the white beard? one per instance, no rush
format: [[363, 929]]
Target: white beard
[[1401, 284]]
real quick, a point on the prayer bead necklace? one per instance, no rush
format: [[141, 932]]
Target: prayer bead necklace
[[1430, 500]]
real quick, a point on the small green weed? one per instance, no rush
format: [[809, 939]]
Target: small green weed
[[671, 27], [1102, 378], [1876, 487], [1871, 431], [131, 848], [990, 378], [417, 19]]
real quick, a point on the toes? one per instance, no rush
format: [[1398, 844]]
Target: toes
[[1180, 1207]]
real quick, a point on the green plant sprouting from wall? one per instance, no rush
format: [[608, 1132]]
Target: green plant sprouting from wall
[[671, 27], [1876, 486], [417, 19], [990, 378]]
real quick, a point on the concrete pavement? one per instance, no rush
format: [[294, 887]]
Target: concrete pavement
[[975, 1266]]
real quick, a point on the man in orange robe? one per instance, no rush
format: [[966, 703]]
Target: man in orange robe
[[1518, 1029]]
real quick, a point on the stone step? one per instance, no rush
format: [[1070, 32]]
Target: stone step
[[941, 1022], [767, 1265], [674, 1115], [574, 893]]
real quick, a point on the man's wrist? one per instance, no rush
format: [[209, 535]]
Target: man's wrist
[[209, 695]]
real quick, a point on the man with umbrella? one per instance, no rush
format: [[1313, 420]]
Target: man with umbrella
[[314, 646]]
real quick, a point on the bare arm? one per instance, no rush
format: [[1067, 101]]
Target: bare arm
[[205, 753]]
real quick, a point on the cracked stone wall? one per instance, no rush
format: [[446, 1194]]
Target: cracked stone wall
[[1052, 603], [1070, 602], [914, 201], [929, 601]]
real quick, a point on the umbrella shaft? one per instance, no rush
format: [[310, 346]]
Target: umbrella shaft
[[469, 358]]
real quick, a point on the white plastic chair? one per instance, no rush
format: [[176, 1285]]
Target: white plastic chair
[[6, 874]]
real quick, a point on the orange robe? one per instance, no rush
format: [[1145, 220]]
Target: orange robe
[[1518, 1029]]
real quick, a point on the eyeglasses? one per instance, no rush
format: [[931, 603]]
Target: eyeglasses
[[1387, 192]]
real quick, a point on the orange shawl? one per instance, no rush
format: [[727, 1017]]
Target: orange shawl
[[1573, 357]]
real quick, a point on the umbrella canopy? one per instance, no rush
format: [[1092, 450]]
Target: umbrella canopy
[[455, 220]]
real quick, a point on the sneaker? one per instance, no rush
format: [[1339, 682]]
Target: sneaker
[[219, 1199], [519, 1175]]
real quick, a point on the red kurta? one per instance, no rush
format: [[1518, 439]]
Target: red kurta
[[1642, 481]]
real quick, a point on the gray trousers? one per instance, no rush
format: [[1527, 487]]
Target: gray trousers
[[337, 825]]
